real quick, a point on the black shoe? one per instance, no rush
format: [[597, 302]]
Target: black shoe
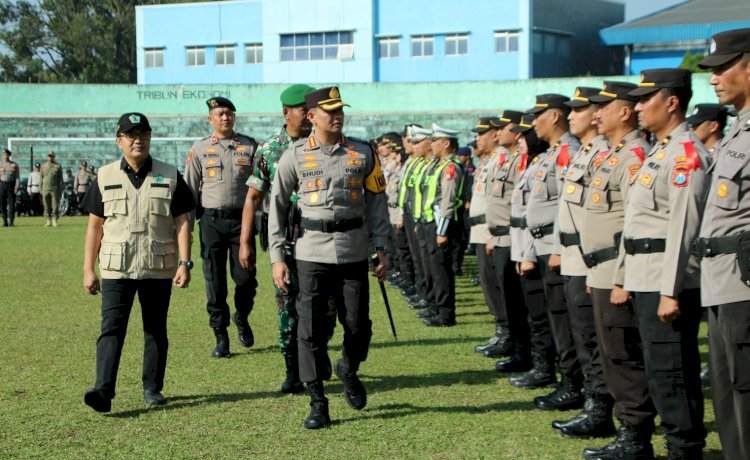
[[474, 281], [355, 392], [426, 313], [567, 396], [541, 375], [483, 346], [419, 304], [318, 417], [244, 331], [631, 443], [12, 224], [501, 348], [292, 383], [222, 343], [515, 363], [97, 400], [595, 421], [409, 292], [437, 321], [684, 453], [706, 376], [154, 398]]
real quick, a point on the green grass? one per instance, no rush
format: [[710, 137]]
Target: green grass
[[430, 395]]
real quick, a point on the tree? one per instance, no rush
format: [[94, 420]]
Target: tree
[[690, 62]]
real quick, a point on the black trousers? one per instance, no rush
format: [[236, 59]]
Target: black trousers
[[491, 277], [461, 239], [219, 238], [512, 299], [117, 301], [583, 328], [406, 264], [36, 204], [729, 346], [621, 354], [8, 201], [441, 270], [317, 284], [670, 352], [559, 320], [412, 238], [532, 286], [423, 235]]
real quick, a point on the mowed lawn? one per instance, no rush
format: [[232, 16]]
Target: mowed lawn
[[430, 394]]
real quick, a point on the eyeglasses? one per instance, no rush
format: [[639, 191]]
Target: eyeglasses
[[144, 136]]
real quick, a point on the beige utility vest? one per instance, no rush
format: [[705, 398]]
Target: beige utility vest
[[140, 236]]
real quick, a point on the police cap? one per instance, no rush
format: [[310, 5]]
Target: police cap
[[130, 121], [37, 165], [582, 97], [655, 79], [614, 90], [294, 96], [525, 124], [483, 125], [328, 99], [726, 46], [549, 101], [83, 163], [216, 102], [508, 117], [708, 112]]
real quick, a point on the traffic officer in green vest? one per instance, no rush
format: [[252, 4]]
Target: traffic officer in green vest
[[662, 220], [442, 202], [218, 167], [9, 180], [52, 187], [343, 210], [723, 244], [139, 229]]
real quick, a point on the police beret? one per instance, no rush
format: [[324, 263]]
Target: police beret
[[483, 125], [582, 96], [655, 79], [549, 101], [130, 121], [708, 112], [614, 90], [295, 95], [726, 46], [328, 99], [215, 102], [508, 117]]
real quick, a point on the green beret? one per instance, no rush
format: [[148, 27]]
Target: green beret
[[295, 95]]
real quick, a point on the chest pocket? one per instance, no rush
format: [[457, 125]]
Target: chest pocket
[[517, 197], [242, 165], [160, 197], [572, 192], [597, 200], [725, 194], [498, 188], [114, 200], [643, 189], [601, 180], [213, 169], [480, 185], [313, 189]]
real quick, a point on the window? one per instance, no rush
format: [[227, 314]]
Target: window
[[253, 53], [196, 55], [317, 46], [422, 45], [388, 47], [154, 57], [456, 44], [225, 55], [506, 42], [563, 46]]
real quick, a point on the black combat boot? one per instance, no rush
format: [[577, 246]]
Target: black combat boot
[[502, 347], [566, 396], [595, 421], [541, 375], [429, 312], [684, 453], [244, 331], [501, 333], [520, 361], [419, 304], [292, 383], [355, 392], [222, 343], [631, 443], [318, 417]]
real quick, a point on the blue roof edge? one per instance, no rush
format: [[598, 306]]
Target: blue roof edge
[[612, 36]]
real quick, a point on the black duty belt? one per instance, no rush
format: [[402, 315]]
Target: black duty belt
[[331, 226], [501, 230], [710, 247], [594, 258], [644, 245], [541, 232], [570, 239], [235, 214], [477, 220], [518, 222], [393, 205]]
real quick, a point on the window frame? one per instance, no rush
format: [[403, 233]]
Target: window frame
[[257, 50], [315, 46], [225, 51], [507, 36], [198, 50], [423, 40], [390, 44], [152, 54], [455, 40]]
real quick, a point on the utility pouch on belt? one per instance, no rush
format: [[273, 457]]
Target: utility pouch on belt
[[261, 228], [294, 216], [743, 257]]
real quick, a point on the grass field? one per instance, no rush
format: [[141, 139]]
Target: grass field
[[430, 395]]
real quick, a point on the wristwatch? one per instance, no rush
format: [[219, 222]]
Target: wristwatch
[[187, 263]]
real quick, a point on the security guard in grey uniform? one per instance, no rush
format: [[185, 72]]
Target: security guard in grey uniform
[[724, 245], [662, 219], [9, 181], [342, 206], [217, 170], [81, 182]]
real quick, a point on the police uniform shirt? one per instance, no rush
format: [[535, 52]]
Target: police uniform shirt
[[9, 172], [521, 241], [570, 210], [448, 187], [393, 183], [543, 200], [666, 202], [726, 214], [480, 233], [508, 171], [335, 183], [218, 169], [82, 181], [35, 182], [182, 200], [611, 174]]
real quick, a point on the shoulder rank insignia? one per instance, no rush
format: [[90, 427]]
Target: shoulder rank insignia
[[639, 153]]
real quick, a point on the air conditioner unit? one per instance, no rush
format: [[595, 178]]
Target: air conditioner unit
[[345, 52]]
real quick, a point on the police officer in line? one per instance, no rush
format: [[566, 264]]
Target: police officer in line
[[340, 185], [662, 219], [81, 182], [403, 264], [9, 180], [266, 162], [708, 122], [408, 277], [218, 167], [442, 202], [488, 152], [723, 245], [143, 247], [34, 189], [52, 187]]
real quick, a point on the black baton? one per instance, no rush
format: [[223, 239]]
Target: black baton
[[375, 261]]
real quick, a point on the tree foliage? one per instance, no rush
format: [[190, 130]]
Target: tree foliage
[[69, 41], [690, 62]]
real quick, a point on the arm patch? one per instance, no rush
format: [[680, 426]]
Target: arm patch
[[375, 181]]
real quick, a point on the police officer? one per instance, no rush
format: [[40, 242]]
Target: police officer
[[52, 187], [9, 180], [81, 182], [725, 275], [138, 242], [340, 185], [266, 162], [708, 122], [217, 169], [662, 219], [34, 189]]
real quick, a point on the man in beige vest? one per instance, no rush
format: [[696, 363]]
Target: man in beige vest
[[52, 187], [138, 226]]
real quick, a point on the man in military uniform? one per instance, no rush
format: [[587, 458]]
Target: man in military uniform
[[611, 174], [81, 182], [34, 189], [340, 185], [9, 180], [137, 242], [723, 244], [52, 187], [217, 169], [266, 162], [662, 219], [708, 122]]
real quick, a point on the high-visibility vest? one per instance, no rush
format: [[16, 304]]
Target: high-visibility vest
[[432, 181]]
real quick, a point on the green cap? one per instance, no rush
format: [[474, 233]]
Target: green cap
[[295, 95]]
